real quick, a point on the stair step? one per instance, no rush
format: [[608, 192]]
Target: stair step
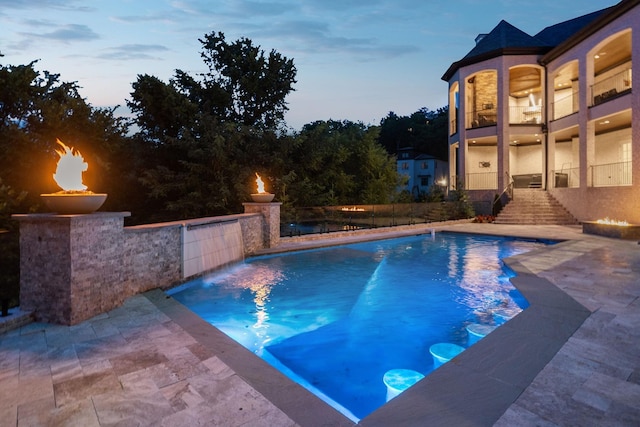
[[534, 206]]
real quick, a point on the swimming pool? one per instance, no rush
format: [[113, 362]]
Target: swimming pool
[[336, 319]]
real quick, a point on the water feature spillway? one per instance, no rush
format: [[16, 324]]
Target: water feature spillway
[[211, 245]]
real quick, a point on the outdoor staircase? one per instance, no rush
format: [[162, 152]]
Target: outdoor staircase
[[534, 206]]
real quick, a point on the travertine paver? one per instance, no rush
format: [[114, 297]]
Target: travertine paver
[[594, 379], [132, 366]]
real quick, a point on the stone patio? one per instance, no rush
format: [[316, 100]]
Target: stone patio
[[153, 362]]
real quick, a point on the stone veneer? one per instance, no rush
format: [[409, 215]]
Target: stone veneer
[[74, 267], [271, 224]]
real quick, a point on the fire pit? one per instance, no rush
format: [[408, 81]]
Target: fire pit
[[612, 228], [74, 197], [261, 196]]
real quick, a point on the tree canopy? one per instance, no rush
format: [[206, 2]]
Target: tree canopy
[[199, 140], [425, 131]]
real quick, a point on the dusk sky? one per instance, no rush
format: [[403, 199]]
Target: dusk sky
[[356, 60]]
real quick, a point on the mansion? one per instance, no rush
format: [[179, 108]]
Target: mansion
[[554, 111]]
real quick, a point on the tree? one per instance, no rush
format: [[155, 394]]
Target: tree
[[424, 131], [207, 135], [250, 86], [340, 162], [35, 109]]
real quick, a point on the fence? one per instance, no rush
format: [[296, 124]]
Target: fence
[[326, 219]]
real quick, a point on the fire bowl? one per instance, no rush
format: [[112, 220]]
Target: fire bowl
[[262, 197], [73, 203]]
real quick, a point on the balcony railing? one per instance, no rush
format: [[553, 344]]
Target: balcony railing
[[611, 174], [481, 118], [566, 178], [481, 181], [453, 127], [525, 115], [565, 106], [611, 87]]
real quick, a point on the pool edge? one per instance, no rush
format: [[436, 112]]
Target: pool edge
[[475, 388]]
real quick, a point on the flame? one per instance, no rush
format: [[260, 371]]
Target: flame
[[260, 184], [69, 170], [612, 222]]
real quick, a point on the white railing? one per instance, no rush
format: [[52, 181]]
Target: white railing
[[525, 115], [611, 87], [565, 106], [481, 181], [611, 174]]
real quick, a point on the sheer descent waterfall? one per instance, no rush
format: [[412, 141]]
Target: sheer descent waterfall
[[209, 246]]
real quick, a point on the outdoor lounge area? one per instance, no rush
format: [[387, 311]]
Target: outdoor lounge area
[[571, 359]]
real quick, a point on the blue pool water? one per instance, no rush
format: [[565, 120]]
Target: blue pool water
[[336, 319]]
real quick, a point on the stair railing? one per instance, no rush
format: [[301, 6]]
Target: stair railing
[[508, 191]]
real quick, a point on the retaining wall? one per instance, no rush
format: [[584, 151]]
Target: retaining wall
[[73, 267]]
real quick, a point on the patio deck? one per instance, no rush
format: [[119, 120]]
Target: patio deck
[[570, 359]]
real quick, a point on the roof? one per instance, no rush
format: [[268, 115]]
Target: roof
[[503, 36], [506, 39], [558, 33]]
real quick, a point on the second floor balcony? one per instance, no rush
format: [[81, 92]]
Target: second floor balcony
[[611, 87], [481, 118], [525, 115], [565, 105]]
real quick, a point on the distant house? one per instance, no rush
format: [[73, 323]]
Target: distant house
[[554, 111], [422, 171]]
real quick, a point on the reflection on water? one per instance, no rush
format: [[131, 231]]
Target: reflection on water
[[337, 319]]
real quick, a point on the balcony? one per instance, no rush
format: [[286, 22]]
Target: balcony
[[481, 118], [525, 115], [481, 181], [611, 174], [611, 87], [565, 106]]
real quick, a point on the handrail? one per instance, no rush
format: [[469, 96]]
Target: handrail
[[508, 190]]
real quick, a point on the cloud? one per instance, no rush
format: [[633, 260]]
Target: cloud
[[134, 51], [67, 33], [65, 5], [317, 37], [237, 8]]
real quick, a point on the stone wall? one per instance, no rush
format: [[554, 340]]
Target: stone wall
[[70, 265], [151, 258], [73, 267]]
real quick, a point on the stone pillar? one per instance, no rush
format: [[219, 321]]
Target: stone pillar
[[271, 221], [70, 265]]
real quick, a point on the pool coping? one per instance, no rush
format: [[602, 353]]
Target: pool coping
[[475, 388]]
